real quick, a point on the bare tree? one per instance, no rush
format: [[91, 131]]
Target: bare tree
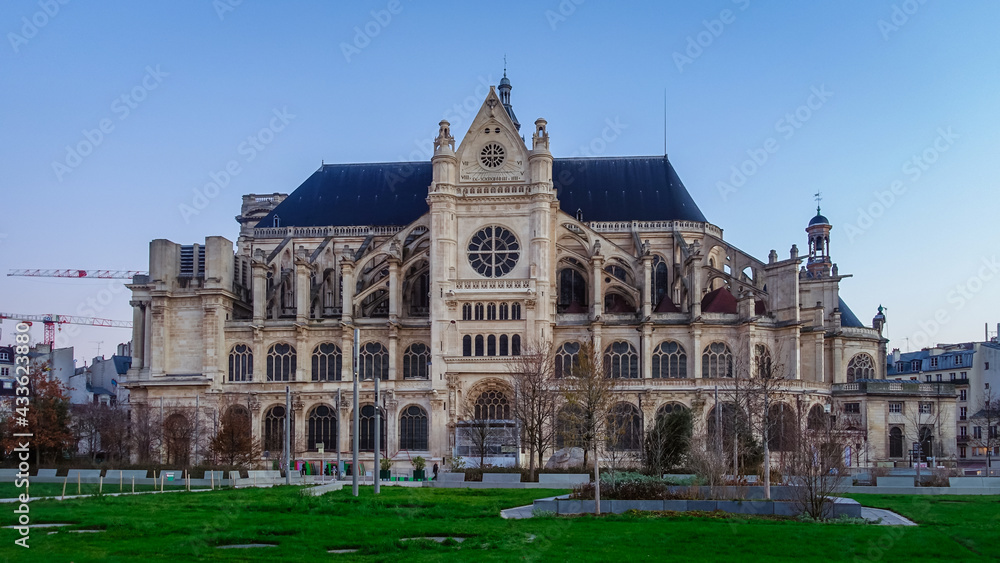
[[817, 464], [535, 400], [759, 382], [476, 433], [233, 444], [588, 394], [88, 419], [985, 433], [146, 433]]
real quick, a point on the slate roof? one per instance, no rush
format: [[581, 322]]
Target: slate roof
[[644, 188], [847, 316]]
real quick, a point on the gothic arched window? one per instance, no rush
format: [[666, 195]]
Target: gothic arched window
[[624, 427], [504, 349], [366, 423], [322, 429], [491, 345], [669, 361], [281, 363], [274, 429], [467, 312], [491, 311], [861, 366], [241, 363], [479, 311], [572, 291], [621, 361], [492, 405], [515, 345], [504, 312], [479, 344], [567, 359], [415, 361], [659, 282], [374, 361], [717, 361], [515, 311], [467, 345], [763, 365], [413, 429], [327, 362]]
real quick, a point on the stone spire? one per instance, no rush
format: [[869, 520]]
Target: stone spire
[[505, 97]]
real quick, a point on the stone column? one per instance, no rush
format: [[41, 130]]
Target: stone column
[[597, 269], [395, 291], [647, 284], [303, 285], [646, 352], [393, 352], [696, 351], [259, 271], [347, 272], [138, 332]]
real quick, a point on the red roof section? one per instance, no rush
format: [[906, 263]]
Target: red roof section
[[719, 301]]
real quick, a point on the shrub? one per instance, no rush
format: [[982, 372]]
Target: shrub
[[629, 486]]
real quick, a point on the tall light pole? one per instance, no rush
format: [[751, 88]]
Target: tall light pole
[[376, 471], [337, 478], [288, 439], [354, 422]]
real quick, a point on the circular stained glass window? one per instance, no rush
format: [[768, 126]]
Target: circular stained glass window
[[492, 155], [493, 251]]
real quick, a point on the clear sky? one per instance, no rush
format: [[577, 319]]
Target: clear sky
[[889, 108]]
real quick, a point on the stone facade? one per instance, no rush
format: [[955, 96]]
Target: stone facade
[[494, 266]]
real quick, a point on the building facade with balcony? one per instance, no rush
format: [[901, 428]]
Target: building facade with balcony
[[973, 368], [449, 268]]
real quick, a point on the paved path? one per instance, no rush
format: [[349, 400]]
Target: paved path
[[524, 511], [889, 518]]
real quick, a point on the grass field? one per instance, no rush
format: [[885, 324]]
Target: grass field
[[188, 526]]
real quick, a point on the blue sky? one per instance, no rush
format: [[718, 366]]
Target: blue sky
[[886, 107]]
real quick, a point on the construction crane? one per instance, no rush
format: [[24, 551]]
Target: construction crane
[[50, 322], [94, 274]]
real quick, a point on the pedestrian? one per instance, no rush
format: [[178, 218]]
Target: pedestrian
[[435, 470]]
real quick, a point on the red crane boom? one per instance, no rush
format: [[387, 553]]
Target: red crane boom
[[50, 322]]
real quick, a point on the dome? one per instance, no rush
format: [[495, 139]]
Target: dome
[[818, 219], [504, 81]]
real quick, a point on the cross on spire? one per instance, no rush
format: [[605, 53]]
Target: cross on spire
[[818, 197]]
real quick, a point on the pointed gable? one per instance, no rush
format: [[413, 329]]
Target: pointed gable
[[492, 149], [719, 301]]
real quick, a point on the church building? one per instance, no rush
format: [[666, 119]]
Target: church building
[[449, 268]]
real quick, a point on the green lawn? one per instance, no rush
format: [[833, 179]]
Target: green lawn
[[188, 526]]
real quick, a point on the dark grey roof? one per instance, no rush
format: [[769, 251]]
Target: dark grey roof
[[642, 188], [847, 316]]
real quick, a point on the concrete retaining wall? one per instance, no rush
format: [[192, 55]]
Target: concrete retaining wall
[[837, 508]]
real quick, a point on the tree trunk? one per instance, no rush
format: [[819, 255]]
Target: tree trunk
[[767, 470], [597, 482], [531, 463]]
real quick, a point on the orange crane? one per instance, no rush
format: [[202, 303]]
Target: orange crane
[[94, 274], [50, 322]]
